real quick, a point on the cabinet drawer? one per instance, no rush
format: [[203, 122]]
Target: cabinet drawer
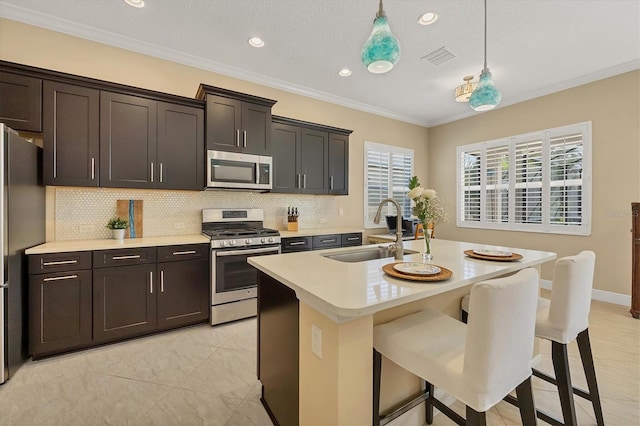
[[353, 239], [122, 257], [59, 262], [296, 244], [183, 252], [326, 241]]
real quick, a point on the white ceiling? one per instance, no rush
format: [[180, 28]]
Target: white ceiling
[[535, 47]]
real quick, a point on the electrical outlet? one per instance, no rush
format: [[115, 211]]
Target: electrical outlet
[[178, 225], [316, 340], [86, 228]]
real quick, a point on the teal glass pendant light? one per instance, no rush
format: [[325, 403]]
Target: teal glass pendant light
[[486, 96], [381, 50]]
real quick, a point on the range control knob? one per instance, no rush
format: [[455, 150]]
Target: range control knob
[[221, 243], [232, 242], [247, 241], [263, 240], [270, 239]]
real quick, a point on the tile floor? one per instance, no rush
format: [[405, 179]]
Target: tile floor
[[205, 375]]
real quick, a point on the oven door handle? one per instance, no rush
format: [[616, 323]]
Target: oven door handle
[[247, 252]]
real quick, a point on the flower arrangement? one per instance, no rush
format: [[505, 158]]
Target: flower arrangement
[[428, 208]]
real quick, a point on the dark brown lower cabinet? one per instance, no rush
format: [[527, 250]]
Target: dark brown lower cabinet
[[60, 312], [183, 296], [124, 302], [635, 260], [278, 350]]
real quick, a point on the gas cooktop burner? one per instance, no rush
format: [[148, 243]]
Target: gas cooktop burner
[[240, 232]]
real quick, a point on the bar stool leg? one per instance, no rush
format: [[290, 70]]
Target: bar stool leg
[[475, 418], [377, 370], [586, 356], [524, 392], [428, 403], [560, 358]]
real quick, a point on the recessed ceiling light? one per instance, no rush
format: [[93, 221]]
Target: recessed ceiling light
[[135, 3], [428, 18], [345, 72], [256, 42]]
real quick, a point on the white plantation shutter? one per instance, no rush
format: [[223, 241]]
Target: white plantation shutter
[[538, 182], [388, 170]]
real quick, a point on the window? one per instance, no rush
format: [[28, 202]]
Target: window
[[387, 171], [537, 182]]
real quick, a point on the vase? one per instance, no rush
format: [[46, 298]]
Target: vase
[[427, 256], [118, 234]]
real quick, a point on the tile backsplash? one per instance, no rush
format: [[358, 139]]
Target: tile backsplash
[[81, 213]]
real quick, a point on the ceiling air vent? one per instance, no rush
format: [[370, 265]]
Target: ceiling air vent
[[439, 56]]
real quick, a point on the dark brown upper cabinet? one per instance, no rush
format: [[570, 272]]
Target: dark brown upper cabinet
[[128, 139], [236, 122], [71, 124], [180, 150], [21, 102], [309, 158], [338, 164]]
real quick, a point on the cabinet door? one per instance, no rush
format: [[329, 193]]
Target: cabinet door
[[285, 148], [338, 164], [180, 147], [124, 301], [224, 119], [256, 129], [313, 167], [127, 141], [183, 293], [71, 132], [21, 102], [59, 312]]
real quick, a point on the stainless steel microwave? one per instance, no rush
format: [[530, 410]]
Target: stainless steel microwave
[[233, 170]]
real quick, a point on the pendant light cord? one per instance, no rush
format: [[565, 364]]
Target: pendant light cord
[[381, 11], [485, 34]]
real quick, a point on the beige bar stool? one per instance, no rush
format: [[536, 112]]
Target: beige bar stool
[[479, 363], [561, 320]]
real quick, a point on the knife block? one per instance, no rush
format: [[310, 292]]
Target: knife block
[[292, 226]]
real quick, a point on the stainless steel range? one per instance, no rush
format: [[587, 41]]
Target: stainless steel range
[[236, 234]]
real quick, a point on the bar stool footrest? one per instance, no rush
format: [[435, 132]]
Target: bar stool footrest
[[580, 392], [404, 406], [539, 414]]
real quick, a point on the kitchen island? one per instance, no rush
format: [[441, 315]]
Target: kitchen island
[[316, 318]]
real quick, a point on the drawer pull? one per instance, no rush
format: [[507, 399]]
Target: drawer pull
[[130, 256], [353, 239], [161, 281], [59, 262], [178, 253], [333, 240], [298, 243], [151, 282], [66, 277]]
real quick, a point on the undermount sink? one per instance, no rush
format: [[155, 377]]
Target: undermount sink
[[362, 255]]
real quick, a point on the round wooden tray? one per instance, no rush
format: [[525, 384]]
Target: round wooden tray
[[444, 274], [513, 257]]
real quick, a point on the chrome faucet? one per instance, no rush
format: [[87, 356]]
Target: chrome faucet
[[376, 219]]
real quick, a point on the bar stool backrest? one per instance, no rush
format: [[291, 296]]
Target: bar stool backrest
[[500, 335], [571, 295]]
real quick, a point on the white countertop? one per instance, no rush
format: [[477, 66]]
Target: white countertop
[[343, 291], [318, 231], [107, 244], [392, 237]]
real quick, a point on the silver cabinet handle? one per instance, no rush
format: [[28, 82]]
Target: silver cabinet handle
[[244, 138], [161, 281], [152, 171], [160, 172], [298, 185], [353, 238], [93, 168], [237, 137], [331, 182], [130, 256], [304, 180], [333, 240], [66, 277], [178, 253], [298, 243], [59, 262], [151, 282]]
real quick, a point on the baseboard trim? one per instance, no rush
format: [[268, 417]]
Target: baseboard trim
[[601, 295]]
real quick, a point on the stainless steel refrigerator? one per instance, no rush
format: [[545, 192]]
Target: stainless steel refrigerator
[[22, 216]]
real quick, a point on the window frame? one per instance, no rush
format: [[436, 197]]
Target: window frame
[[405, 203], [546, 183]]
